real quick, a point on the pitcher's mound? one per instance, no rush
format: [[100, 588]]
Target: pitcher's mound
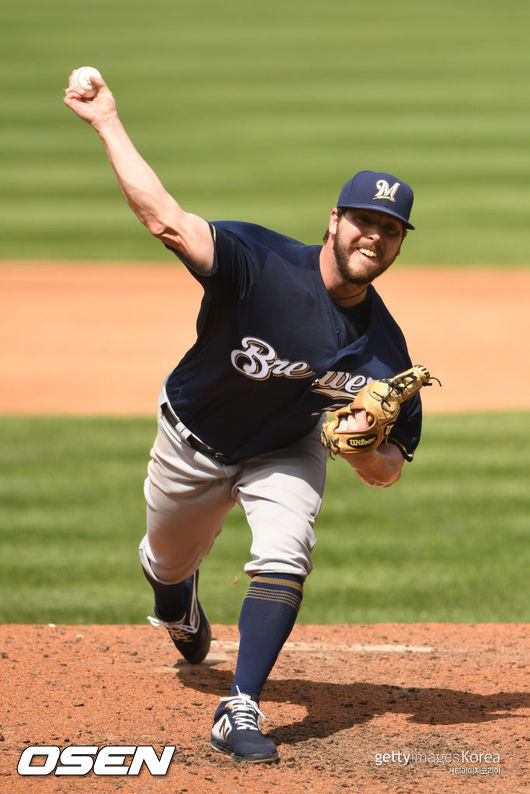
[[385, 708]]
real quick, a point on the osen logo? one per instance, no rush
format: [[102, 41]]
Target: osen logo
[[79, 760]]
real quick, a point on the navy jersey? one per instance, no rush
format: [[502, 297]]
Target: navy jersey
[[274, 352]]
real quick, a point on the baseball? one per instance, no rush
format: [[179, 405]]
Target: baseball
[[81, 77]]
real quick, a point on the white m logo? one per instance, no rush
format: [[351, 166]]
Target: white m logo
[[385, 191]]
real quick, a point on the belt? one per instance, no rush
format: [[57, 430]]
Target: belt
[[188, 437]]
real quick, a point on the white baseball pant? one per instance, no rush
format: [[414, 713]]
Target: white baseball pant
[[189, 495]]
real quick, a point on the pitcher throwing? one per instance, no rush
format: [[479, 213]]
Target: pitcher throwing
[[286, 333]]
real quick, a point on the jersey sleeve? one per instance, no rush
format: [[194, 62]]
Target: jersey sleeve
[[235, 262]]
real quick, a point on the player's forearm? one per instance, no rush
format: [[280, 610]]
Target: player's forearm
[[378, 468], [141, 188]]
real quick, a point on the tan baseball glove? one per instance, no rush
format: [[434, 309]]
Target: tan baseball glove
[[381, 400]]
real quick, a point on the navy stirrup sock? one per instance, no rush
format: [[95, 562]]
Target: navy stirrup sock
[[170, 601], [268, 614]]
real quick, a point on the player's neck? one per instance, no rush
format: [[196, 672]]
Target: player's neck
[[351, 300]]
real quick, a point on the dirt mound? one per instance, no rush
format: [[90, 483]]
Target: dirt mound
[[387, 708]]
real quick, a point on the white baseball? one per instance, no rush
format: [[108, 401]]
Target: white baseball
[[81, 77]]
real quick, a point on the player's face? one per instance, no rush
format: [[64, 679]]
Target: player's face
[[366, 243]]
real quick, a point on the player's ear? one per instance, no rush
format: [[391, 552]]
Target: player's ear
[[333, 221]]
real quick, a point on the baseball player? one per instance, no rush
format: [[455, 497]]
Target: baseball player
[[285, 333]]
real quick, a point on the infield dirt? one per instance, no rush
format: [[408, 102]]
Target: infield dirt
[[345, 704], [450, 697], [101, 339]]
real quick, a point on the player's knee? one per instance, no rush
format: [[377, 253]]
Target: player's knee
[[269, 564]]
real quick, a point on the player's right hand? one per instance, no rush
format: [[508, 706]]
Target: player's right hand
[[356, 422], [95, 110]]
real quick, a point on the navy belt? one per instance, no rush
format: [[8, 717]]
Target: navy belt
[[192, 441]]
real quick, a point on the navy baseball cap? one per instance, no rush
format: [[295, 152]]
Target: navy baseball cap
[[376, 190]]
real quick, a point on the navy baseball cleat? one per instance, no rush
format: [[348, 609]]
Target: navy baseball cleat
[[236, 730], [191, 635]]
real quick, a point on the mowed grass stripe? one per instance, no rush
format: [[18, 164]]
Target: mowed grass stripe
[[448, 543], [261, 113]]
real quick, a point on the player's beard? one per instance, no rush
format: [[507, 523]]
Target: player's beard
[[342, 257]]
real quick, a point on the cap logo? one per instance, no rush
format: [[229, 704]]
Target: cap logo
[[385, 191]]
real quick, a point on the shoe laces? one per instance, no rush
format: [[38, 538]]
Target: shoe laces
[[244, 711], [177, 629]]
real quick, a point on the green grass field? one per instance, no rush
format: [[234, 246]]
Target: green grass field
[[448, 543], [261, 112]]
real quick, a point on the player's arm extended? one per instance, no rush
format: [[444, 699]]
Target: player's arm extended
[[379, 467], [188, 234]]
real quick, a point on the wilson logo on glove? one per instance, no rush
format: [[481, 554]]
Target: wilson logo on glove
[[361, 441]]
